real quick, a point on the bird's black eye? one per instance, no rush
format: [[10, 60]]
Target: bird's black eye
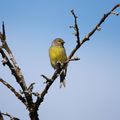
[[59, 41]]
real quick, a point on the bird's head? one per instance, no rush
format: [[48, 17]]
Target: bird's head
[[58, 42]]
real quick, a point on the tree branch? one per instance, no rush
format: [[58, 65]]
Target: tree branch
[[87, 37], [76, 28], [46, 78], [6, 47], [10, 116], [15, 70], [13, 66], [13, 90], [50, 81]]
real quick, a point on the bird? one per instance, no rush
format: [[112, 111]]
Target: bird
[[58, 57]]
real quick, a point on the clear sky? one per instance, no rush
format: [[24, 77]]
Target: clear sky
[[93, 83]]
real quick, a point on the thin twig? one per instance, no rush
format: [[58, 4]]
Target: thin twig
[[73, 59], [10, 116], [46, 78], [76, 28]]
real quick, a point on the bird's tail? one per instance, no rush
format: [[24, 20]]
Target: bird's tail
[[62, 78]]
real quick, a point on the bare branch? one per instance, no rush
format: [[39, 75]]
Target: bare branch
[[6, 47], [46, 78], [87, 37], [76, 27], [73, 59], [57, 72], [13, 90], [13, 71], [3, 29], [10, 116], [48, 84], [16, 72]]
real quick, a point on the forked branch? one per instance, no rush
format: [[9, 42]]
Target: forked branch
[[78, 45], [8, 59], [87, 37]]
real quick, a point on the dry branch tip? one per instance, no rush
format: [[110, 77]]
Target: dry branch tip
[[73, 13], [3, 31], [46, 78]]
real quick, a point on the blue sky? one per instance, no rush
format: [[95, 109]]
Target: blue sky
[[92, 91]]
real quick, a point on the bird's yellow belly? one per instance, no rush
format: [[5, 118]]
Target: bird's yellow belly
[[57, 54]]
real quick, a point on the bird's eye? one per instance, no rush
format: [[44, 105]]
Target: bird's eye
[[59, 41]]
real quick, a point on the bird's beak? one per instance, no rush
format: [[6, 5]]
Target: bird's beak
[[63, 42]]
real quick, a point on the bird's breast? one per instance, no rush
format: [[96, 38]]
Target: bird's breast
[[57, 54]]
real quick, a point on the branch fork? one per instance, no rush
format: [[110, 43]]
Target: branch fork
[[27, 92]]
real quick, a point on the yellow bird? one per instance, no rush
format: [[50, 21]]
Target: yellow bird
[[58, 57]]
